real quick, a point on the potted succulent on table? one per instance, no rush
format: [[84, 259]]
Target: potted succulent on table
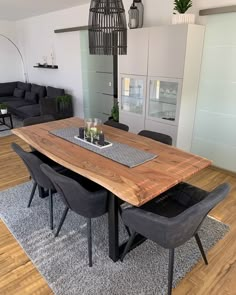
[[180, 16], [3, 108]]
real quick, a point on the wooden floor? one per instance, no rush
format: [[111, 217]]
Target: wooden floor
[[19, 276]]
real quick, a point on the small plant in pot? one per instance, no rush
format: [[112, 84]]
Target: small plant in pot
[[115, 112], [3, 108], [180, 16], [64, 103]]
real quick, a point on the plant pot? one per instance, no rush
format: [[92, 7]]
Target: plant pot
[[3, 111], [183, 18]]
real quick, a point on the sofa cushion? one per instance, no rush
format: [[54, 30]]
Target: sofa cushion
[[28, 111], [24, 86], [40, 90], [7, 89], [54, 92], [8, 98], [19, 93], [31, 97], [17, 103]]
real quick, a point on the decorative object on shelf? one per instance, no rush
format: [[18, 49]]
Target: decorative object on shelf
[[52, 58], [45, 61], [3, 108], [107, 28], [21, 56], [39, 65], [133, 17], [139, 5], [64, 103], [181, 6]]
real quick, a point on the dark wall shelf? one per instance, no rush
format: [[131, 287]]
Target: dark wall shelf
[[55, 67]]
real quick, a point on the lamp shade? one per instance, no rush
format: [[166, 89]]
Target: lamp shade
[[107, 28]]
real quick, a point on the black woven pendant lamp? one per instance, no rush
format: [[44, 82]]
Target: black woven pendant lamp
[[107, 28]]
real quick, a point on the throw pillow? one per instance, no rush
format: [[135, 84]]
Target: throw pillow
[[19, 93], [31, 97]]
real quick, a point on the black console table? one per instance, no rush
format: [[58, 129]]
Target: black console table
[[3, 122]]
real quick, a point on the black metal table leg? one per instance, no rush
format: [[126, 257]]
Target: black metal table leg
[[113, 227], [115, 249], [11, 121]]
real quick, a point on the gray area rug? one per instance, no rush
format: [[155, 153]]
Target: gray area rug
[[16, 124], [63, 261]]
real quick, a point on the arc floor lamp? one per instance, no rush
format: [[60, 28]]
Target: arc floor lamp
[[21, 56]]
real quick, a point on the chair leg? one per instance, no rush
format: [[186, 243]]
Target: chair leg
[[89, 235], [32, 194], [51, 209], [171, 270], [128, 245], [126, 227], [201, 248], [62, 221]]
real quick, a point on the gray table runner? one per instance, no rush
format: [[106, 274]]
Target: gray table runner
[[118, 152]]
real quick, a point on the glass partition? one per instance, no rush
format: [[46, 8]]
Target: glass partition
[[215, 133]]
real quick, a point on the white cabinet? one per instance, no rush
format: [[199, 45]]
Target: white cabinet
[[167, 48], [135, 62], [168, 99]]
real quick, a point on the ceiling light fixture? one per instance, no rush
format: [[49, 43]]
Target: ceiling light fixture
[[107, 28]]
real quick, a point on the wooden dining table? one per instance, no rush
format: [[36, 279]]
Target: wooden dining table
[[135, 186]]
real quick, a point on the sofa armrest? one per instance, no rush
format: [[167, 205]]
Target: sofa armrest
[[49, 106]]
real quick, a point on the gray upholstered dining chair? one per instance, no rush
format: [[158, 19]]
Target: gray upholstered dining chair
[[156, 136], [89, 204], [173, 218], [117, 125], [32, 161]]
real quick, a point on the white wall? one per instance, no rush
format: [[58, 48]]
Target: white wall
[[11, 68]]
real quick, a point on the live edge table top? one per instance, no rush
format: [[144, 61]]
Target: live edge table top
[[134, 185]]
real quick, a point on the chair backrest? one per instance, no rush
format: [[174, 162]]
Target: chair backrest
[[117, 125], [175, 231], [32, 162], [156, 136], [189, 222], [76, 197], [38, 120]]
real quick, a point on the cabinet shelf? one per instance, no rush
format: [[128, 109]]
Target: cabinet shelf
[[162, 101]]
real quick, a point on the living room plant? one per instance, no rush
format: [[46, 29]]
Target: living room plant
[[3, 108], [180, 9], [64, 103], [115, 111]]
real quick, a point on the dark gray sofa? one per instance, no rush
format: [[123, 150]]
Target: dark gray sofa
[[31, 100]]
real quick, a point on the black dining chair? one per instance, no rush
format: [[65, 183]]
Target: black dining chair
[[156, 136], [32, 161], [117, 125], [173, 218], [87, 203]]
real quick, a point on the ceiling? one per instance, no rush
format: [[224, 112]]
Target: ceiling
[[19, 9]]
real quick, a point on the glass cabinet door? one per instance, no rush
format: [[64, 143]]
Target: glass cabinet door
[[133, 94], [163, 99]]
